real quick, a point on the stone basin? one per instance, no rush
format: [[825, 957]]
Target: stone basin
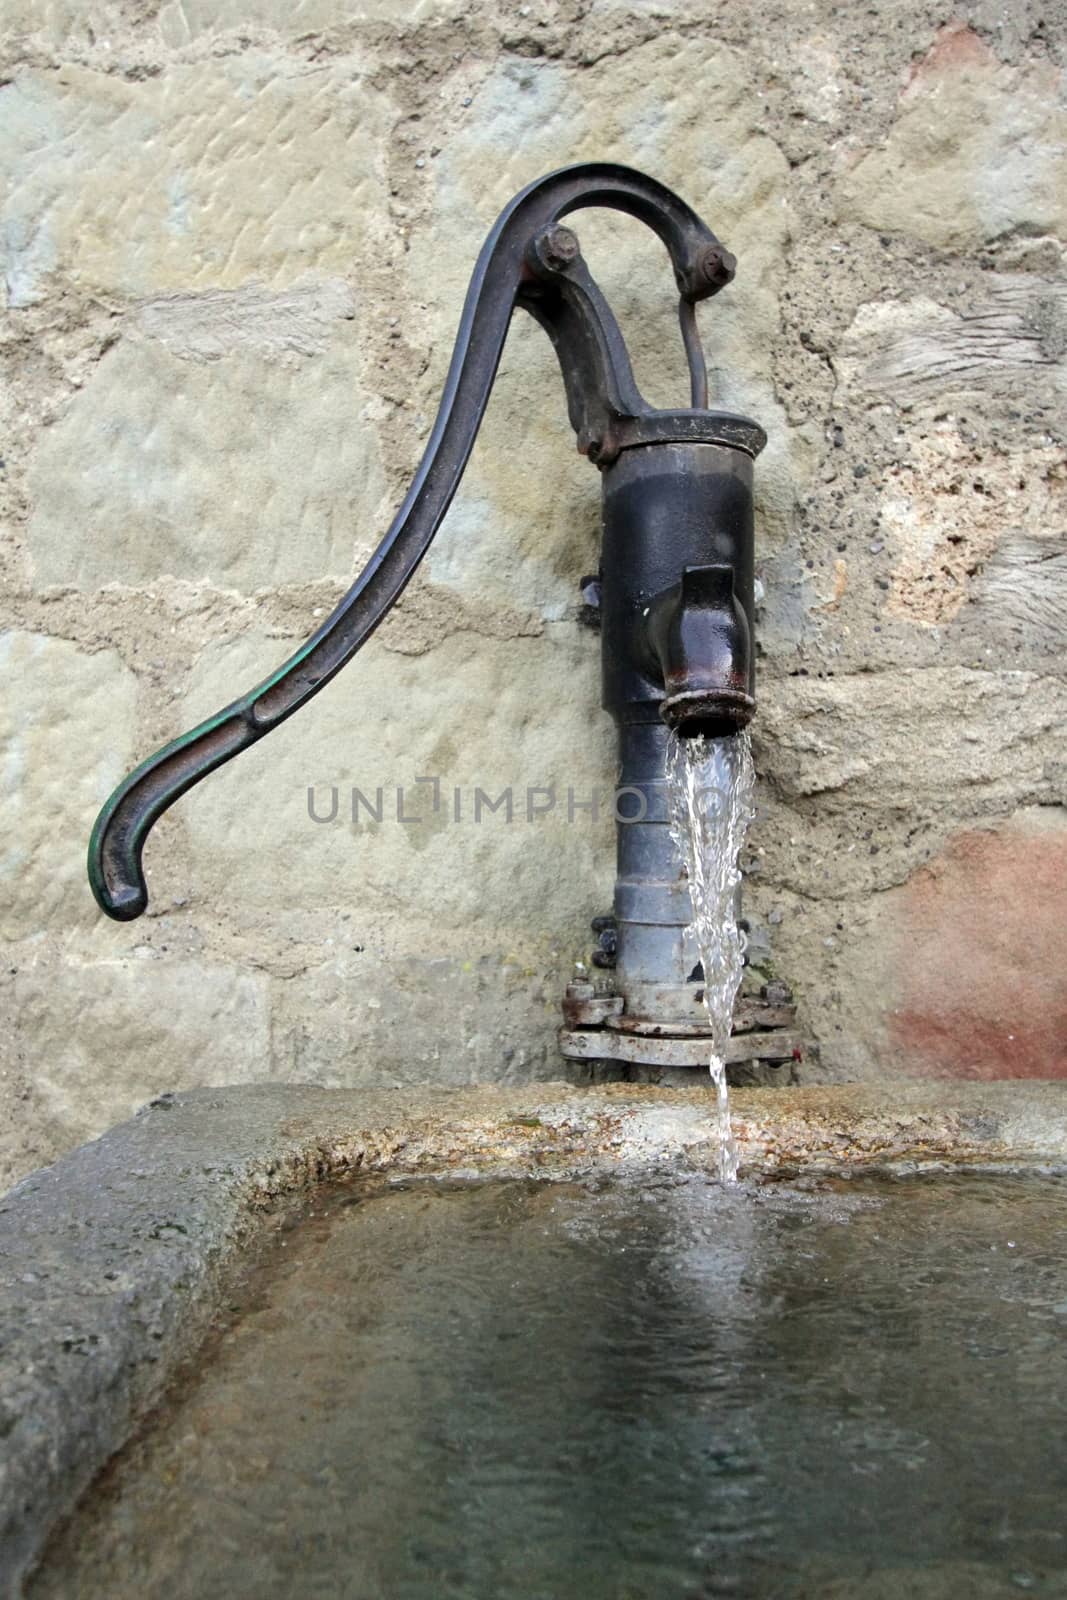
[[116, 1262]]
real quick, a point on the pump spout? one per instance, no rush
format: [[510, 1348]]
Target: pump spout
[[700, 640]]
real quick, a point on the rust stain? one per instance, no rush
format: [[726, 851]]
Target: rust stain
[[982, 972]]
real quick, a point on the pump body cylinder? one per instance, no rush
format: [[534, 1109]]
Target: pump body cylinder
[[666, 508]]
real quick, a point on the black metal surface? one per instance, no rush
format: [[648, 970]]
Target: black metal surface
[[531, 261], [677, 600], [668, 508]]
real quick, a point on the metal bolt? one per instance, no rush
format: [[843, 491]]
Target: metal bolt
[[717, 266], [559, 247], [580, 991]]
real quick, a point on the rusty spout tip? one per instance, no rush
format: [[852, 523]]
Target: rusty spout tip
[[711, 714]]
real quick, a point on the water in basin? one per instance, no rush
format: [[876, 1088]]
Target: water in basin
[[616, 1390]]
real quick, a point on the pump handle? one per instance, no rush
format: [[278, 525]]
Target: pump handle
[[527, 260]]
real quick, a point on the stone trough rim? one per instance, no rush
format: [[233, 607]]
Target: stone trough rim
[[114, 1261]]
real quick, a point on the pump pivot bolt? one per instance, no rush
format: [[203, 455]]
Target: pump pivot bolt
[[717, 266], [553, 250], [560, 248]]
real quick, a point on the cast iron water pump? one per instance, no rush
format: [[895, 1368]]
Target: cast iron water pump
[[675, 587]]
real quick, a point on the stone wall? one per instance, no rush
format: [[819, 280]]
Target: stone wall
[[235, 241]]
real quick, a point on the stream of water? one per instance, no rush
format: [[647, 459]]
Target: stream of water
[[711, 783]]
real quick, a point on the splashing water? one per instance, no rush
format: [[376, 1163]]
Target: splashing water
[[710, 785]]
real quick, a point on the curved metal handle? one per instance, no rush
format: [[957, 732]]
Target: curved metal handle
[[513, 268]]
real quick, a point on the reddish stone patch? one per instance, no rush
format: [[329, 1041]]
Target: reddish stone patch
[[982, 959], [955, 46]]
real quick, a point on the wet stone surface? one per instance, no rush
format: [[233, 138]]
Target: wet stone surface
[[116, 1262]]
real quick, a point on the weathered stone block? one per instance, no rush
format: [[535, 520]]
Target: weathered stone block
[[982, 985], [102, 1038], [66, 738], [966, 522], [947, 509], [978, 149], [204, 176], [179, 23], [959, 972], [503, 716], [300, 321], [370, 1015], [865, 775], [242, 471], [57, 23], [894, 736], [920, 355]]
